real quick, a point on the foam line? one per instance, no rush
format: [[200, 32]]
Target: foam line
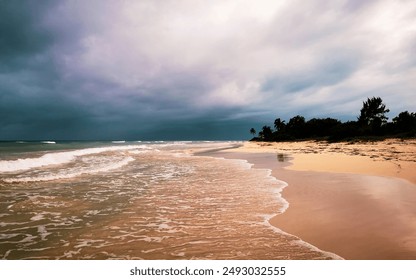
[[59, 158]]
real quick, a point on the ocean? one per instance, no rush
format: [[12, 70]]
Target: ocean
[[139, 200]]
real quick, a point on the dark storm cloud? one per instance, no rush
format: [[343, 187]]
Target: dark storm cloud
[[21, 35], [330, 71], [188, 69]]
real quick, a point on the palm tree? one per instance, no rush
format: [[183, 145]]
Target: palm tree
[[266, 133], [253, 131], [279, 125]]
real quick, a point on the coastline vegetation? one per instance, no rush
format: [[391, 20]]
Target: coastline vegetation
[[372, 123]]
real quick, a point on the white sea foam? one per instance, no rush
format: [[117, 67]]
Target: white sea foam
[[137, 152], [43, 232], [48, 142], [170, 202], [71, 173], [57, 158], [8, 236], [37, 217]]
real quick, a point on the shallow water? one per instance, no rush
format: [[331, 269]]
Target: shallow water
[[130, 200]]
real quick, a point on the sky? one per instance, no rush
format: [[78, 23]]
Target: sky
[[197, 70]]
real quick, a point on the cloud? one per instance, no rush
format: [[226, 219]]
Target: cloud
[[111, 69], [21, 36]]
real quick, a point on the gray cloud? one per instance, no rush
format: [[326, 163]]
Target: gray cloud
[[191, 69]]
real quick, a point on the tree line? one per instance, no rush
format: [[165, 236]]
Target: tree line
[[372, 122]]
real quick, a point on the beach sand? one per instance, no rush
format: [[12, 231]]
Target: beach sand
[[357, 200]]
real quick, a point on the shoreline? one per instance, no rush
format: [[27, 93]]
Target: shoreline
[[343, 199], [388, 158]]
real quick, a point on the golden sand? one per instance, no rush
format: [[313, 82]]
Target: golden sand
[[356, 200], [396, 158]]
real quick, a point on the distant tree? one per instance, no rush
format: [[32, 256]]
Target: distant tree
[[295, 122], [279, 125], [253, 131], [405, 122], [343, 131], [320, 127], [266, 133], [373, 113], [372, 121], [295, 126]]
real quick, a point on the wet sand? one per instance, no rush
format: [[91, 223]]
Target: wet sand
[[355, 200]]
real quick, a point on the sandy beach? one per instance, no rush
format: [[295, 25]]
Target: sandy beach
[[357, 200]]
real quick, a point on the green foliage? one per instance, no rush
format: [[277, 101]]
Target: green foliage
[[296, 126], [345, 131], [266, 133], [405, 122], [372, 122], [321, 127], [373, 114], [279, 125]]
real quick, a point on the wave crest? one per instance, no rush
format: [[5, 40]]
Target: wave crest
[[58, 158]]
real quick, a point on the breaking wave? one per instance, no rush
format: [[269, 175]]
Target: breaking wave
[[57, 158]]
